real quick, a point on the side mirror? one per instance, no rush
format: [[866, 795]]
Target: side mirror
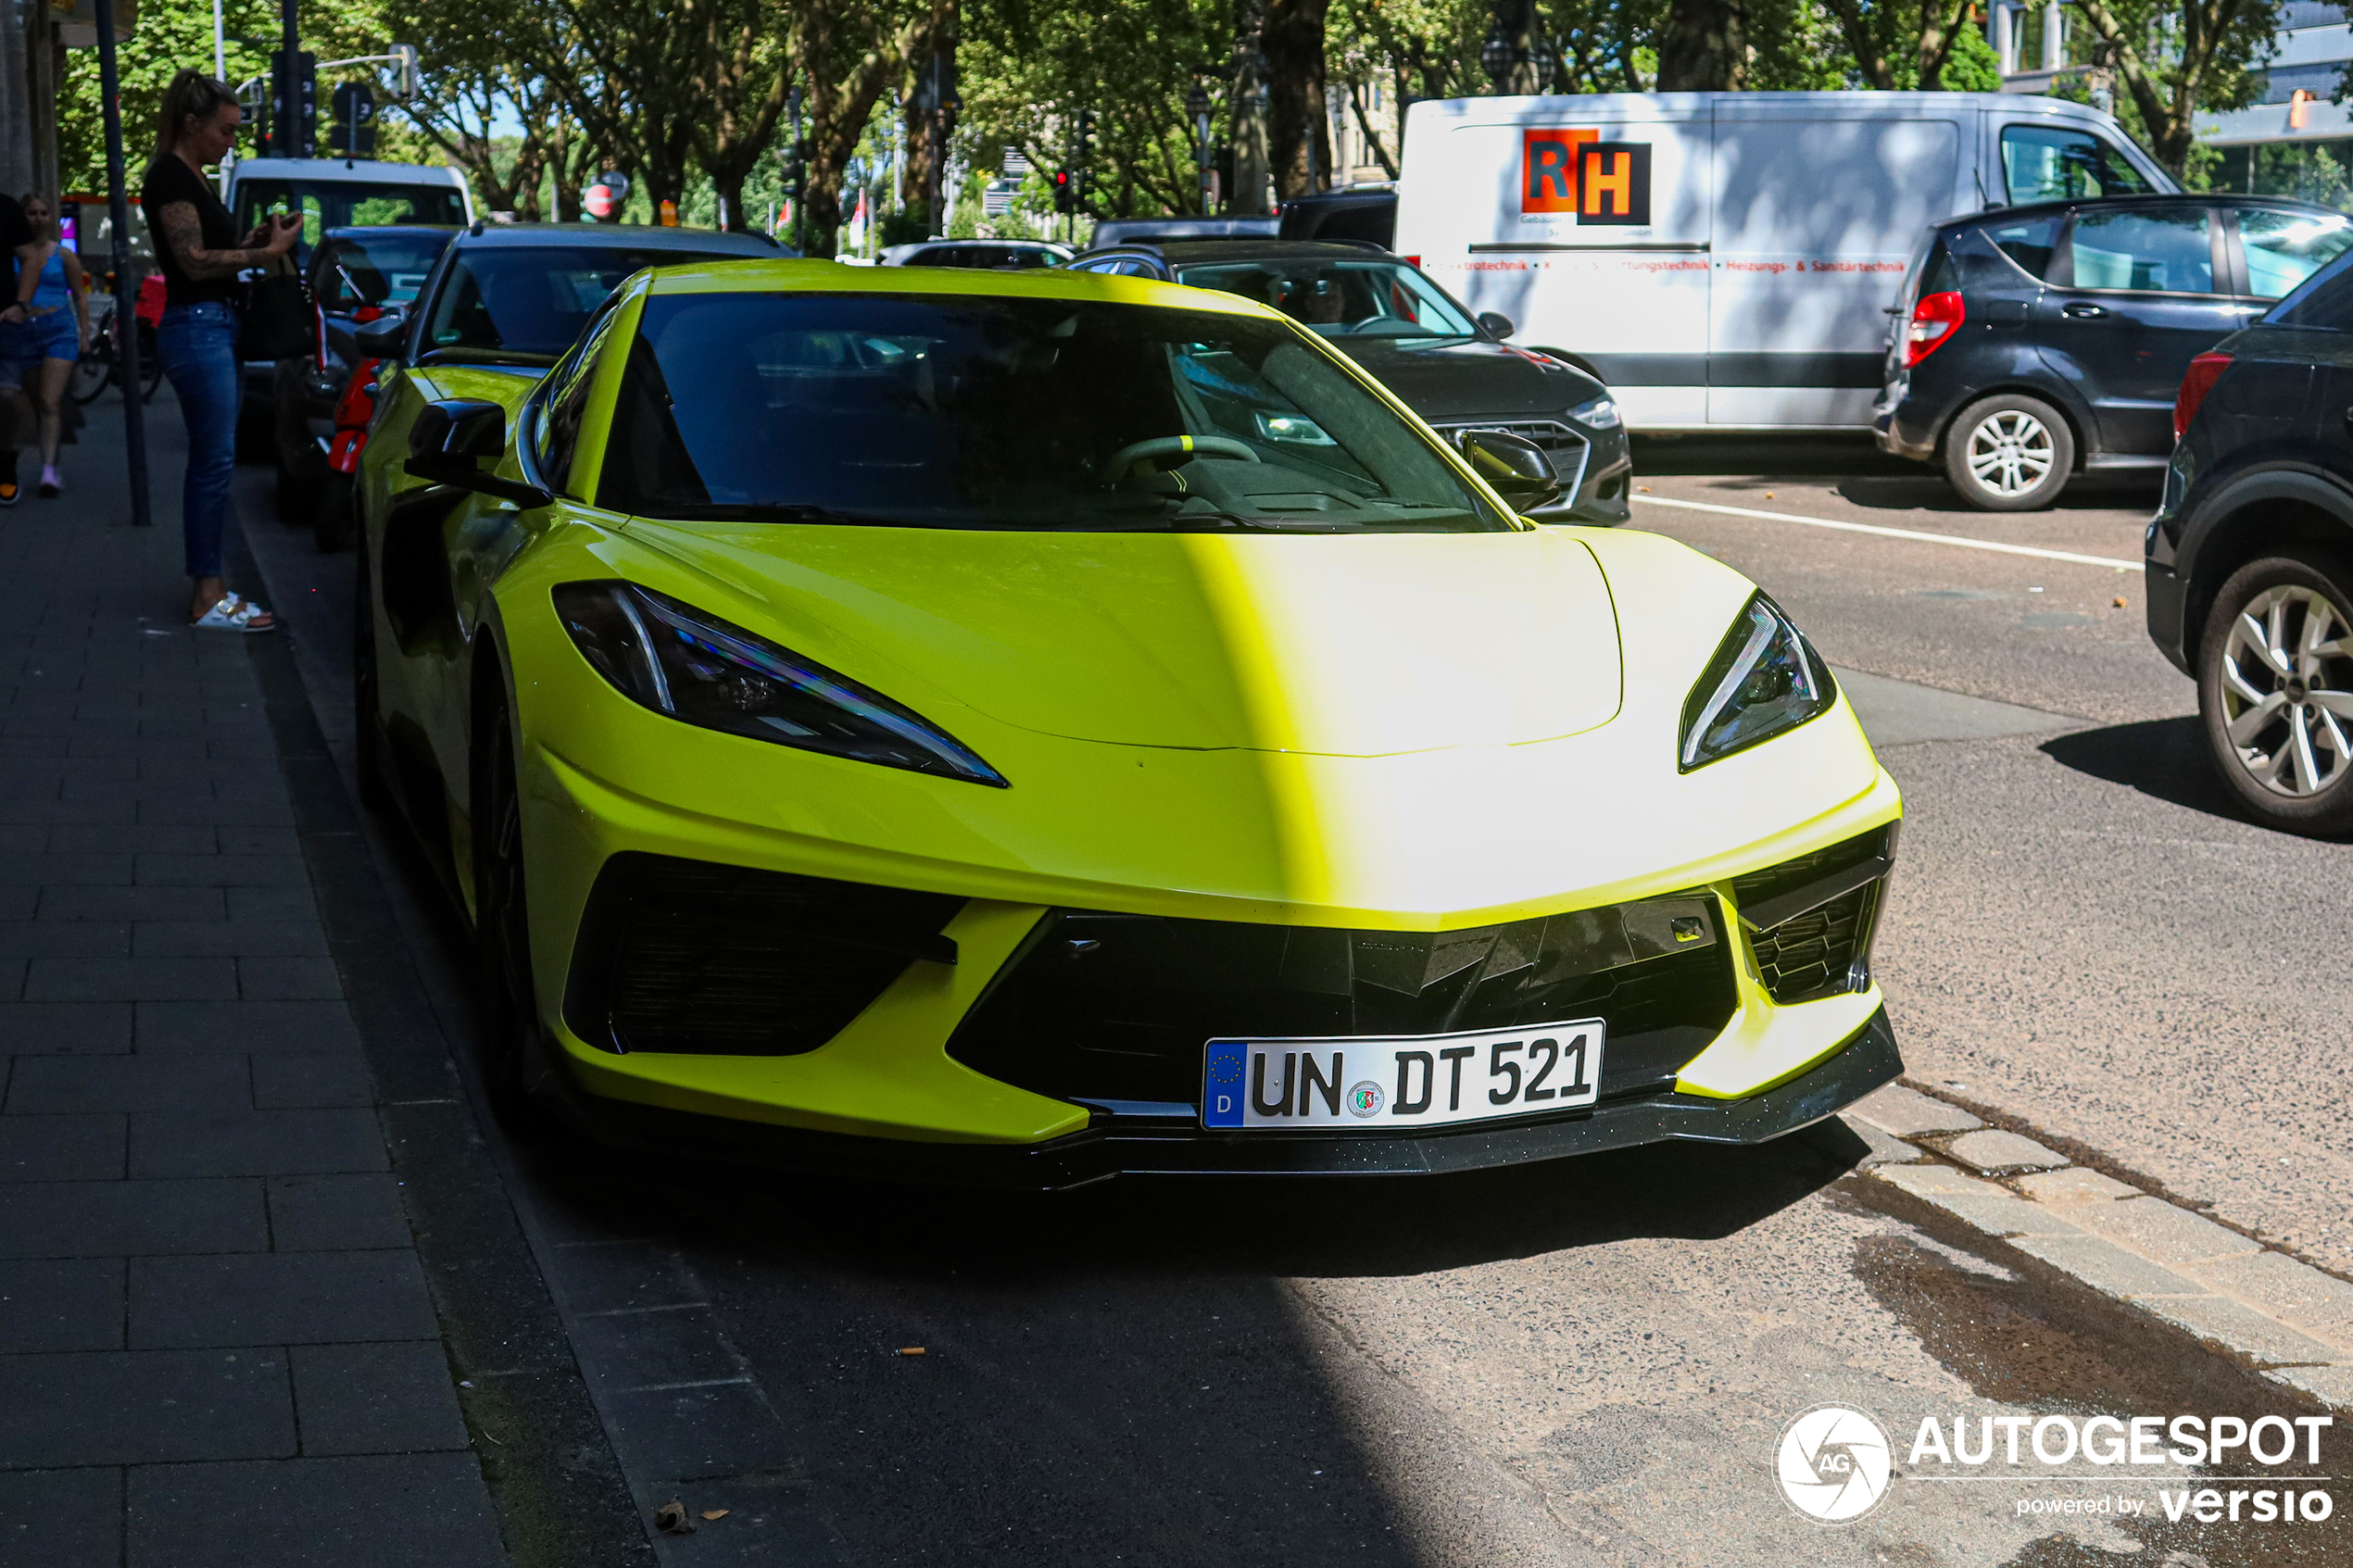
[[449, 441], [1514, 465], [1496, 324], [386, 337]]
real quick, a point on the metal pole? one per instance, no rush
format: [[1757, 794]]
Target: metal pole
[[134, 422], [287, 143], [220, 43]]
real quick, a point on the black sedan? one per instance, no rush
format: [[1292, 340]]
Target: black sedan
[[2250, 555], [1457, 371]]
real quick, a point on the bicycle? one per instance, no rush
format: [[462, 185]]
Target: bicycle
[[101, 366]]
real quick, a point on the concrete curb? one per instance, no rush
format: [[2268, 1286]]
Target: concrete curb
[[2282, 1317]]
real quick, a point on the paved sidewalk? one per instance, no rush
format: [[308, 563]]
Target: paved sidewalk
[[217, 1343]]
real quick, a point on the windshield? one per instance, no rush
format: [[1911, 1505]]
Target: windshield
[[329, 203], [1366, 298], [533, 299], [386, 269], [1031, 414]]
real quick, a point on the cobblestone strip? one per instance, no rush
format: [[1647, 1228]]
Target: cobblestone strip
[[2281, 1315]]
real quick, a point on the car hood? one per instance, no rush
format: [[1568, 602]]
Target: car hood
[[1457, 380], [1356, 645]]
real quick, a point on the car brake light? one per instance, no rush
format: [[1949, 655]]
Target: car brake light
[[1934, 321], [2203, 372], [1414, 261]]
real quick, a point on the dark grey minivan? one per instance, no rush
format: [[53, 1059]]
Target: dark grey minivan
[[2036, 342]]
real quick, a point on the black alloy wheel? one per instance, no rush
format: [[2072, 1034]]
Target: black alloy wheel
[[511, 1054], [369, 764], [2275, 691], [2010, 453]]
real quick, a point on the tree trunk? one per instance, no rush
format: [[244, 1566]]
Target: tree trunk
[[1300, 143], [1246, 114], [1516, 19], [1703, 46]]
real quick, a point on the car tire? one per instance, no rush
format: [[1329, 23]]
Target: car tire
[[513, 1056], [2264, 650], [369, 765], [2010, 453], [333, 514]]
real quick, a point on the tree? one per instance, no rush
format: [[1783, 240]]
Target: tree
[[1901, 44], [172, 34], [851, 52], [2177, 59], [1299, 143], [1703, 46]]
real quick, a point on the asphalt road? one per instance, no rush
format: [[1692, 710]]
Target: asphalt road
[[1590, 1362]]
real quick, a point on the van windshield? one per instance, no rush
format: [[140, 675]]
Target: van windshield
[[334, 204]]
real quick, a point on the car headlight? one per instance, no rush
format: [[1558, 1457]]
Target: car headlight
[[1599, 412], [1764, 678], [693, 666]]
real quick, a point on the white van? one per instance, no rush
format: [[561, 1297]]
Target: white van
[[1724, 260]]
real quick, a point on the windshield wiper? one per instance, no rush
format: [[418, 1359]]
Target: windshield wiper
[[757, 511]]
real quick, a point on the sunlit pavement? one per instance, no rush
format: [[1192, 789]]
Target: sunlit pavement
[[1583, 1363]]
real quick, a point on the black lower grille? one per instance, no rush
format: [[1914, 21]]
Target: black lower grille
[[685, 956], [1120, 1007], [1810, 919]]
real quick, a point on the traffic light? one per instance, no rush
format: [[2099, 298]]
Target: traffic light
[[351, 132], [293, 134], [1066, 192]]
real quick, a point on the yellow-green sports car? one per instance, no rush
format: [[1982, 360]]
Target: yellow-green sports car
[[1024, 728]]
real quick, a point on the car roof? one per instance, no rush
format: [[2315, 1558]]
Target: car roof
[[784, 275], [2108, 204], [1185, 253], [965, 245], [615, 237], [336, 171]]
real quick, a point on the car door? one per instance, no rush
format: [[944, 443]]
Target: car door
[[2137, 291], [2275, 248]]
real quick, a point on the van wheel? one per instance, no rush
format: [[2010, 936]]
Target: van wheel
[[2010, 453], [2275, 691]]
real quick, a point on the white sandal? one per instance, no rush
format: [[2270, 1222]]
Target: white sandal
[[232, 613]]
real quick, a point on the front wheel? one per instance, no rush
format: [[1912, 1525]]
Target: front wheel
[[510, 1011], [2010, 453], [2275, 691]]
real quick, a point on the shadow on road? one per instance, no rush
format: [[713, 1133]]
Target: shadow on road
[[2164, 758]]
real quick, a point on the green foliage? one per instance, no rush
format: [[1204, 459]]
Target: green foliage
[[172, 34], [1972, 67]]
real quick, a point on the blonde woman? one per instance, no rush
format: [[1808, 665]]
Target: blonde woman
[[55, 298], [200, 253]]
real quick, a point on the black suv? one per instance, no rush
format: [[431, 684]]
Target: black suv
[[1453, 369], [2036, 342], [2250, 555]]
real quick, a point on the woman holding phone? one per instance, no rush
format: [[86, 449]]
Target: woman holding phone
[[201, 254]]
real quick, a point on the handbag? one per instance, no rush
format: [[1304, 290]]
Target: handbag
[[280, 321]]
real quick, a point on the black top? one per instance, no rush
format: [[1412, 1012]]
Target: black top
[[14, 231], [171, 180]]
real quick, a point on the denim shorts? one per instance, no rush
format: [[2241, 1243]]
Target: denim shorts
[[56, 336]]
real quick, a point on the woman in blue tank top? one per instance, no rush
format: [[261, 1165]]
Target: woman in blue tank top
[[56, 295]]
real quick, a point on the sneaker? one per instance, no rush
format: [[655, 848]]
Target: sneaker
[[10, 492], [50, 484]]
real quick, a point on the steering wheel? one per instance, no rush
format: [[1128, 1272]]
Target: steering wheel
[[1136, 451]]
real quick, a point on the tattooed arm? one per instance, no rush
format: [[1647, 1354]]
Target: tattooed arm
[[184, 234]]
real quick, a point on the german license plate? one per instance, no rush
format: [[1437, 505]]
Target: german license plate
[[1401, 1081]]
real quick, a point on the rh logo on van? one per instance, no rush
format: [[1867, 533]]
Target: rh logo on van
[[1576, 172]]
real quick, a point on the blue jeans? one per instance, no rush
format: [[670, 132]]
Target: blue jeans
[[198, 346]]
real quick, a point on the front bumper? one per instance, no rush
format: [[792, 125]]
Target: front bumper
[[1112, 1145]]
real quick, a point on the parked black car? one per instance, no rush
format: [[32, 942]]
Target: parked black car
[[1453, 369], [2250, 555], [501, 293], [1343, 215], [357, 274], [2037, 342]]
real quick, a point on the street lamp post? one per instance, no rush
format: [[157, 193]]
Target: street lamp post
[[126, 322]]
